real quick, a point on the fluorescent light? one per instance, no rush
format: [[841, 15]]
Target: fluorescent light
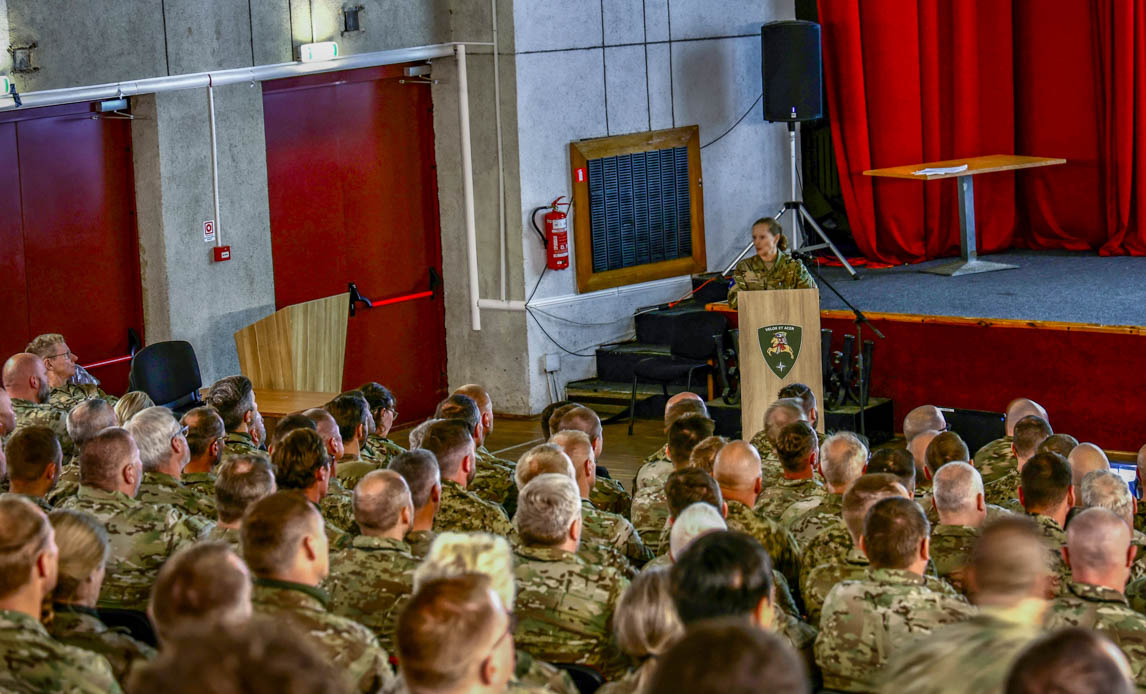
[[314, 52]]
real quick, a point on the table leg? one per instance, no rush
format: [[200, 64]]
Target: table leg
[[970, 262]]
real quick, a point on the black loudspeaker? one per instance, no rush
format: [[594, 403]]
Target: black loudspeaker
[[790, 64]]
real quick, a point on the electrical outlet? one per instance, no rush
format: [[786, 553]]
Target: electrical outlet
[[552, 362]]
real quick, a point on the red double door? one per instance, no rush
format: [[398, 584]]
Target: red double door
[[353, 198]]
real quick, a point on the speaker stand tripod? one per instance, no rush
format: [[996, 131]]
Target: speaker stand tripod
[[802, 219]]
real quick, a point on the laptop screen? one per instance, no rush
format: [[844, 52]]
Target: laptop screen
[[1128, 472]]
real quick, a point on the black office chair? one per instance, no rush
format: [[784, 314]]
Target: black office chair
[[585, 678], [134, 622], [697, 337], [169, 373]]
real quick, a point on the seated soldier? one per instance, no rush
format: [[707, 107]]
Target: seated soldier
[[570, 624], [959, 502], [807, 399], [26, 382], [1030, 432], [897, 462], [703, 455], [607, 494], [842, 460], [650, 508], [61, 366], [865, 621], [455, 635], [724, 574], [419, 468], [694, 522], [657, 466], [337, 505], [1047, 496], [141, 535], [83, 551], [1085, 459], [351, 413], [944, 448], [34, 661], [646, 626], [997, 458], [286, 549], [34, 463], [452, 443], [131, 404], [164, 452], [1071, 661], [379, 449], [797, 447], [921, 419], [242, 480], [233, 398], [202, 585], [779, 414], [204, 436], [485, 404], [493, 478], [321, 421], [84, 421], [1106, 489], [1062, 444], [301, 464], [368, 578]]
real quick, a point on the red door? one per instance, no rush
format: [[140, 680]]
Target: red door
[[353, 198], [70, 259]]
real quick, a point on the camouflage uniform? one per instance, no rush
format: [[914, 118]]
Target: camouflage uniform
[[78, 626], [349, 646], [780, 543], [1140, 519], [158, 488], [69, 395], [463, 511], [32, 661], [66, 486], [351, 468], [1003, 489], [753, 273], [539, 676], [368, 579], [604, 528], [654, 470], [494, 482], [29, 413], [950, 550], [608, 495], [829, 547], [337, 508], [1055, 538], [380, 450], [142, 537], [650, 514], [565, 609], [420, 541], [775, 500], [241, 443], [202, 483], [807, 518], [771, 470], [970, 657], [591, 553], [231, 536], [37, 500], [1107, 611], [865, 621], [995, 459]]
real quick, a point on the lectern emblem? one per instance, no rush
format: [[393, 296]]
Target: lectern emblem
[[780, 347]]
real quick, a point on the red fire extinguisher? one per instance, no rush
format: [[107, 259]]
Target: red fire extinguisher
[[557, 236]]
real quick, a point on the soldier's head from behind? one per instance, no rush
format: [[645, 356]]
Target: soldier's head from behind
[[645, 622], [921, 419], [292, 422], [945, 448], [25, 378], [896, 535], [683, 436], [418, 433], [301, 463], [704, 454], [697, 520], [28, 556], [455, 635], [88, 418], [351, 413], [690, 485], [1070, 661], [1105, 489], [918, 446], [233, 398], [83, 552], [7, 414], [205, 434], [863, 494], [206, 583], [549, 513], [894, 461], [452, 443], [729, 656], [465, 408], [780, 414], [383, 506], [457, 554], [1045, 488], [1098, 549], [1030, 432], [284, 538], [797, 446], [724, 574], [684, 402], [110, 462], [322, 422], [242, 480], [383, 406], [1008, 564], [485, 404], [583, 419], [162, 446], [419, 468], [551, 415], [579, 448], [131, 404], [542, 459], [1019, 408], [34, 460], [842, 460], [1062, 444], [959, 495], [1085, 459]]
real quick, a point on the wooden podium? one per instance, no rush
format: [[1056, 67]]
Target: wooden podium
[[297, 348], [779, 345]]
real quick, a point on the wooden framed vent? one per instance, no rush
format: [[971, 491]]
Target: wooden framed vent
[[638, 212]]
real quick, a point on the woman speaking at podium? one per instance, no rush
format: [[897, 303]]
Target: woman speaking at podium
[[771, 267]]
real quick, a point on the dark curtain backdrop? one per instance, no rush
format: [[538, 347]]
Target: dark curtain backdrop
[[922, 80]]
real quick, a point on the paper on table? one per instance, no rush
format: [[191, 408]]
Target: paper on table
[[941, 170]]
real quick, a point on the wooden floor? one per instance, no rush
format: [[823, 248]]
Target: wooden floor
[[622, 455]]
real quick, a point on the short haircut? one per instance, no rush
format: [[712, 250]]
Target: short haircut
[[204, 426], [1044, 481], [722, 574], [443, 630], [350, 410], [273, 528], [645, 621], [233, 397], [289, 423], [462, 407], [1075, 660], [1099, 489], [573, 442], [449, 440], [83, 544], [1062, 444], [545, 509], [457, 554], [691, 485], [684, 433], [956, 486], [703, 455], [1009, 560], [26, 534], [30, 450], [1030, 431], [863, 494], [130, 404], [88, 418], [241, 481], [945, 448], [104, 456], [583, 419], [693, 522], [842, 457], [730, 656], [298, 458], [379, 498], [681, 408], [419, 468], [153, 430], [418, 433], [542, 459], [794, 444], [894, 461], [892, 532], [203, 583], [548, 420], [258, 656], [378, 395], [779, 415], [43, 345], [801, 392]]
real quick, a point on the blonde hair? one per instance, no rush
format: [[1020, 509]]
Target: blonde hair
[[43, 345], [704, 453], [544, 458], [777, 230], [646, 622], [131, 404], [84, 548], [456, 554]]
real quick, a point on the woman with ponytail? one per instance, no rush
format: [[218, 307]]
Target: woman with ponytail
[[771, 267]]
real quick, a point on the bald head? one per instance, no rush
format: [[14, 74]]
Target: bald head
[[1098, 546], [478, 394], [26, 378], [842, 458], [1008, 563], [382, 504], [693, 522], [737, 467], [918, 446], [671, 404], [921, 419], [1019, 408], [1085, 459]]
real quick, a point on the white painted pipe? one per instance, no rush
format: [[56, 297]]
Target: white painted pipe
[[214, 161], [499, 305], [504, 259], [468, 185]]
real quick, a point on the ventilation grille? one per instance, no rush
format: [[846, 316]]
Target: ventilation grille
[[639, 208]]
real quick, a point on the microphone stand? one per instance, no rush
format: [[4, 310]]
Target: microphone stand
[[809, 262]]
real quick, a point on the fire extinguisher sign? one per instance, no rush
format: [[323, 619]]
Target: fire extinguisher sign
[[581, 174]]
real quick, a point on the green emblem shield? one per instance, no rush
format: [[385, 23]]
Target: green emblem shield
[[780, 347]]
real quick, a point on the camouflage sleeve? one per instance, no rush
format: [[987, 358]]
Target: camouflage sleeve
[[371, 671], [630, 543], [183, 530], [803, 278], [739, 282]]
